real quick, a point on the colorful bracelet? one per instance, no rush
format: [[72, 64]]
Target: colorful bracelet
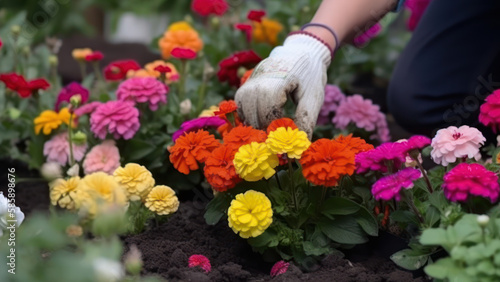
[[315, 37], [337, 42]]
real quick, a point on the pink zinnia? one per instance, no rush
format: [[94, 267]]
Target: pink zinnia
[[116, 117], [279, 268], [417, 8], [201, 261], [333, 97], [490, 111], [377, 158], [417, 142], [389, 187], [143, 90], [470, 179], [452, 143], [57, 149], [87, 108], [104, 157], [183, 53], [364, 114], [368, 35], [198, 123], [70, 90]]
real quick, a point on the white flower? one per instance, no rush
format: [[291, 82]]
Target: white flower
[[483, 220], [51, 171], [107, 270], [186, 107], [7, 209]]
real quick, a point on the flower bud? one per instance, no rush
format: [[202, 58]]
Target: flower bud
[[51, 171], [133, 261], [295, 28], [483, 220], [15, 30], [75, 100], [53, 61], [79, 138], [306, 9], [186, 107], [188, 19], [14, 113], [241, 71], [215, 21], [26, 51], [107, 270], [74, 170], [74, 231]]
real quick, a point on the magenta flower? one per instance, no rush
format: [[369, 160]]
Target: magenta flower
[[417, 142], [452, 143], [368, 35], [116, 117], [364, 114], [378, 158], [333, 97], [279, 268], [104, 157], [87, 108], [57, 150], [198, 123], [201, 261], [70, 90], [143, 90], [470, 179], [417, 8], [490, 111], [389, 187]]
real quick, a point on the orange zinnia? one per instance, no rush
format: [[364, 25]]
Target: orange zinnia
[[282, 122], [356, 144], [185, 37], [246, 76], [242, 135], [219, 169], [326, 161], [191, 148], [226, 107], [227, 127]]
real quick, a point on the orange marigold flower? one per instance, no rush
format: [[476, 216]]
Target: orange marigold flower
[[227, 127], [246, 76], [185, 37], [219, 169], [226, 107], [282, 122], [356, 144], [191, 148], [326, 161], [242, 135]]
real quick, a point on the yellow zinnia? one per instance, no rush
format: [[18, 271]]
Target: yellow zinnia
[[136, 180], [292, 142], [250, 214], [64, 192], [210, 112], [267, 31], [64, 116], [181, 25], [255, 161], [80, 54], [162, 200], [48, 120], [99, 188]]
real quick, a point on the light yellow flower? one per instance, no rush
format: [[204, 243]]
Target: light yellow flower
[[292, 142], [255, 161], [181, 25], [64, 192], [250, 214], [267, 31], [48, 120], [136, 180], [80, 54], [99, 189], [209, 112], [162, 200]]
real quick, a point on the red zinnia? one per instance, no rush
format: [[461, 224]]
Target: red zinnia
[[282, 122], [117, 70], [219, 169], [228, 67], [489, 114], [207, 7], [201, 261], [94, 56], [256, 15], [162, 69], [183, 53], [245, 28], [226, 107], [19, 84]]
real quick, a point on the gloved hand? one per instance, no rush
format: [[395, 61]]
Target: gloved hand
[[297, 70]]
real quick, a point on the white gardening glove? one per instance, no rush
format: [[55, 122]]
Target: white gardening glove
[[297, 70]]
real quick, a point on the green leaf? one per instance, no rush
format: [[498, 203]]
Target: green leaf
[[446, 268], [216, 208], [343, 229], [311, 249], [138, 149], [434, 236], [410, 259], [340, 206], [404, 217], [267, 239], [367, 221], [432, 216]]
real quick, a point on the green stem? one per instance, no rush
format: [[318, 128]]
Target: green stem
[[97, 71], [294, 196], [70, 137], [201, 95], [182, 82], [411, 204], [424, 173], [323, 195], [278, 181], [83, 70]]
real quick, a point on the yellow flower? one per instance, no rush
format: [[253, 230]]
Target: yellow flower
[[162, 200], [48, 120], [182, 25], [293, 142], [136, 180], [172, 76], [80, 54], [267, 31], [99, 188], [64, 192], [139, 73], [254, 161], [209, 112], [64, 116], [250, 214], [74, 231]]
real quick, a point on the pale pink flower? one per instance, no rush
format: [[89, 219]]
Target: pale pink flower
[[333, 97], [453, 143], [57, 149], [116, 117], [143, 90], [104, 157], [87, 108]]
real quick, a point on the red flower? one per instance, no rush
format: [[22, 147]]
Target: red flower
[[117, 70], [1, 43], [219, 168], [228, 68], [201, 261], [162, 69], [282, 122], [226, 107], [489, 114], [245, 28], [207, 7], [94, 56], [279, 268], [183, 53], [256, 15], [19, 84]]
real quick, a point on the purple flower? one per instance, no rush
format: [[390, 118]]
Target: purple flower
[[198, 123], [389, 187], [333, 97], [70, 90], [378, 158]]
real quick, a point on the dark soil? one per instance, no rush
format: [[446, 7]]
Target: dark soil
[[166, 248]]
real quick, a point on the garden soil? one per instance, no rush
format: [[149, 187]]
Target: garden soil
[[167, 247]]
